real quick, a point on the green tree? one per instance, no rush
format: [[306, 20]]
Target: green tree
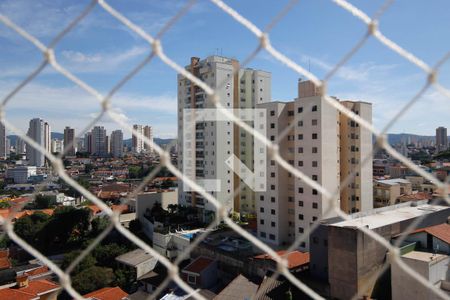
[[98, 225], [88, 168], [92, 279], [66, 223], [126, 279], [134, 171], [87, 262], [43, 201], [28, 227], [106, 254]]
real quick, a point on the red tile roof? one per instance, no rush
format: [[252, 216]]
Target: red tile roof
[[198, 265], [5, 263], [34, 289], [295, 258], [107, 293], [441, 231], [37, 271]]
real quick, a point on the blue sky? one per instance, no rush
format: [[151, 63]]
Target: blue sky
[[315, 33]]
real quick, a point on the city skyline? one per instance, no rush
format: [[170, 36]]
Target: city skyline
[[375, 74]]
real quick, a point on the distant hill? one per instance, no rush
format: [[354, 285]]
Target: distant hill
[[54, 135]]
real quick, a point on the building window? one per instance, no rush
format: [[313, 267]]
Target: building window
[[300, 229], [272, 199], [272, 187], [272, 125], [314, 164], [314, 192], [261, 221], [300, 217], [314, 122], [272, 174], [272, 236], [314, 149], [314, 108], [290, 113], [272, 211], [314, 136], [300, 149], [314, 177], [300, 109], [300, 203], [290, 199], [300, 163], [272, 138], [314, 218], [300, 136], [272, 113], [300, 190], [192, 279], [262, 234], [315, 205], [272, 163], [300, 123], [261, 198], [272, 224], [261, 209]]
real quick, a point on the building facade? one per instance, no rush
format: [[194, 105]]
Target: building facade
[[117, 143], [215, 142], [69, 141], [99, 141], [312, 135], [38, 131], [3, 151], [441, 139]]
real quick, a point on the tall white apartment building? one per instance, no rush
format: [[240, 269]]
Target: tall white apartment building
[[47, 137], [38, 131], [138, 144], [3, 146], [99, 141], [148, 133], [309, 134], [20, 146], [117, 143], [57, 146], [215, 142]]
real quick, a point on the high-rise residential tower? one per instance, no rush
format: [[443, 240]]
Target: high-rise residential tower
[[215, 141], [310, 134], [3, 146], [117, 143], [356, 159], [441, 139], [69, 141], [136, 139], [148, 133], [38, 131], [99, 141], [88, 142]]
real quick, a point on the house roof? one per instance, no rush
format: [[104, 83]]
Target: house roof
[[441, 231], [134, 257], [239, 288], [5, 263], [394, 181], [107, 293], [295, 258], [34, 289], [198, 265]]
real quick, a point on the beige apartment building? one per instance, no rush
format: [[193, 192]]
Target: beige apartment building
[[214, 142], [311, 138]]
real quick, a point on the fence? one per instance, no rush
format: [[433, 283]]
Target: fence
[[154, 43]]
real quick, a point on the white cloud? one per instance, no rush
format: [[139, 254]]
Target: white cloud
[[71, 106]]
